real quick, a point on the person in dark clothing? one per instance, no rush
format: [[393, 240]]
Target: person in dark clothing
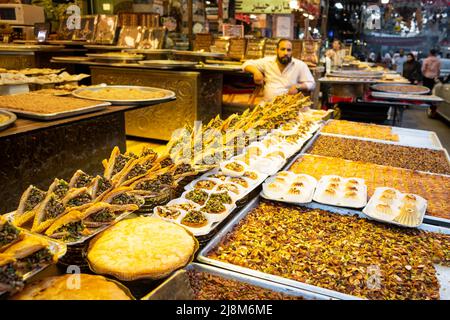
[[412, 69]]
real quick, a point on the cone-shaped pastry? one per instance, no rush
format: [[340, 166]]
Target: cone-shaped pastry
[[116, 163], [136, 169], [80, 179], [77, 199], [11, 278], [69, 227], [100, 186], [122, 196], [29, 201], [59, 187], [31, 252], [183, 169], [9, 234], [103, 213], [47, 212]]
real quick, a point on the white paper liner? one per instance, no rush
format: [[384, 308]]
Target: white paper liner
[[282, 194], [371, 210], [339, 200], [232, 173]]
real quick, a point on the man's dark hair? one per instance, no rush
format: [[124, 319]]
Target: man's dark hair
[[281, 40], [433, 52]]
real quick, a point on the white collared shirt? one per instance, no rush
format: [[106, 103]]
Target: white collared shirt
[[277, 82]]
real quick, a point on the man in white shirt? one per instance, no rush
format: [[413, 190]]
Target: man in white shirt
[[399, 61], [281, 74]]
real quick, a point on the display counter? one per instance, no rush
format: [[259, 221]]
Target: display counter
[[20, 56], [34, 152]]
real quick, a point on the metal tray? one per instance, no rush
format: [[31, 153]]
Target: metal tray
[[407, 137], [376, 87], [177, 287], [57, 248], [122, 216], [222, 235], [7, 123], [427, 218], [71, 59], [356, 74], [220, 67], [167, 64], [316, 136], [170, 95], [403, 96], [59, 115], [199, 53], [101, 56]]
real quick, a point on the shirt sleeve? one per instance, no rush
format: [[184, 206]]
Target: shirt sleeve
[[424, 65], [306, 77], [258, 63]]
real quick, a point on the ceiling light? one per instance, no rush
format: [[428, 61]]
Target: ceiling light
[[339, 6], [384, 1], [293, 4]]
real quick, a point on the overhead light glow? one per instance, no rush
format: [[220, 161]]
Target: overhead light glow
[[339, 6], [293, 4], [384, 1]]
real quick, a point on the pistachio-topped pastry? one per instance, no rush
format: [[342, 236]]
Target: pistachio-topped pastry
[[214, 207], [197, 196], [29, 201], [8, 233], [80, 179], [50, 209], [194, 219], [223, 197], [59, 187], [123, 196], [205, 184]]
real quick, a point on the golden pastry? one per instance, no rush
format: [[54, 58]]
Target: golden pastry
[[142, 247], [73, 287], [384, 208]]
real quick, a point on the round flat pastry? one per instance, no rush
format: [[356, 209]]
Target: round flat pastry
[[143, 247], [73, 287]]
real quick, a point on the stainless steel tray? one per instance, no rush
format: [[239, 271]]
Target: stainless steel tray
[[167, 64], [357, 74], [57, 248], [222, 235], [407, 137], [101, 56], [11, 120], [59, 115], [170, 95], [177, 287], [199, 54], [10, 217], [71, 59], [316, 136], [403, 96], [427, 218], [377, 86]]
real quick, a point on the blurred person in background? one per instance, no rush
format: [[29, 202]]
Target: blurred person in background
[[399, 60], [412, 69], [431, 69]]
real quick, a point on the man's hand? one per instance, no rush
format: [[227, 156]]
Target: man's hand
[[258, 77], [293, 90]]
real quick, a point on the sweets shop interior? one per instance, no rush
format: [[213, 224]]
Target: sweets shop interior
[[229, 150]]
